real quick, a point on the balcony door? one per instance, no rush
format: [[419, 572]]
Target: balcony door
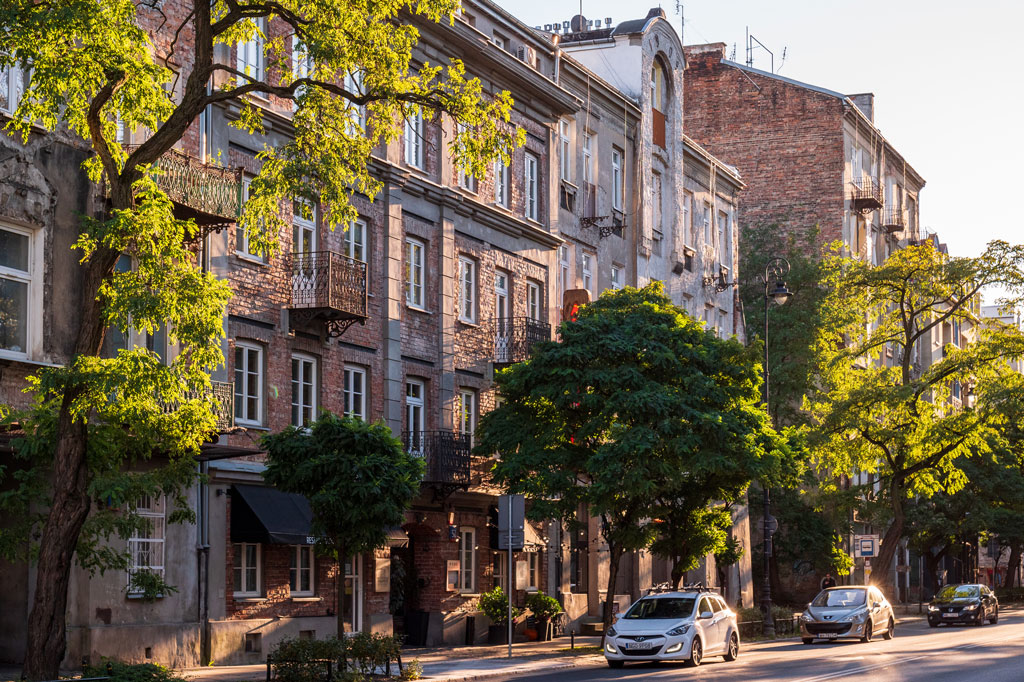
[[304, 270], [502, 317], [415, 407]]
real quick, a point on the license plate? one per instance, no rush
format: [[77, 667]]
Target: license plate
[[829, 635], [951, 615], [639, 645]]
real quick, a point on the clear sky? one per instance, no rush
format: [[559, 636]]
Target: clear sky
[[947, 78]]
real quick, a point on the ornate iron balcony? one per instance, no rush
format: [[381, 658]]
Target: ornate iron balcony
[[209, 194], [329, 287], [894, 220], [447, 454], [867, 194], [514, 338], [224, 394]]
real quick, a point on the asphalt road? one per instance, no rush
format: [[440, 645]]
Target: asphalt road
[[991, 653]]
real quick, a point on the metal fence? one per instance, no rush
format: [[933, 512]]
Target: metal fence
[[329, 281], [447, 454]]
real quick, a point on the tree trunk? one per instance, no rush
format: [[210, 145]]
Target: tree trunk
[[1013, 565], [614, 553], [882, 573], [677, 572]]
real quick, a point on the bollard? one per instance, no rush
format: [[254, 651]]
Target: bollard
[[572, 638]]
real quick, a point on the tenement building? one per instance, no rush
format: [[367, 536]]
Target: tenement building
[[442, 279]]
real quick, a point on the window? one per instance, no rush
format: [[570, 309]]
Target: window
[[467, 412], [530, 187], [616, 277], [250, 52], [467, 180], [706, 221], [499, 41], [467, 289], [16, 291], [723, 324], [656, 205], [303, 390], [588, 276], [303, 228], [242, 244], [467, 560], [146, 544], [302, 66], [415, 406], [723, 238], [355, 392], [12, 87], [353, 594], [355, 240], [532, 560], [116, 339], [247, 569], [533, 306], [414, 140], [564, 151], [564, 274], [500, 564], [248, 384], [357, 115], [588, 158], [300, 575], [501, 188], [689, 235], [414, 250], [501, 308], [616, 179]]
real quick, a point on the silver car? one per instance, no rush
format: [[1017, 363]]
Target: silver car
[[853, 611]]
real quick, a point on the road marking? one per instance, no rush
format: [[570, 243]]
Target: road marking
[[876, 666]]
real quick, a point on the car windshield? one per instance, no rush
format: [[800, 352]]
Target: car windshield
[[661, 608], [958, 592], [841, 597]]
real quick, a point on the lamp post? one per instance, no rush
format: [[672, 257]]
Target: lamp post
[[775, 290]]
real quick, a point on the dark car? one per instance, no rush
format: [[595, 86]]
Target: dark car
[[973, 604]]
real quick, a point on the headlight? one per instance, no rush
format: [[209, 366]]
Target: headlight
[[610, 649], [681, 630], [970, 607], [674, 648], [611, 631], [805, 617], [932, 608], [859, 617]]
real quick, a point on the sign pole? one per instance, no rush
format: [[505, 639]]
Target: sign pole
[[511, 578]]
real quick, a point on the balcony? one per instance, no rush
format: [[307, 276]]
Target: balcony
[[208, 194], [894, 220], [330, 288], [866, 195], [514, 338], [224, 394], [447, 455]]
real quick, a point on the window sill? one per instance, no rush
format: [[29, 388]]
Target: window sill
[[468, 323], [140, 596], [249, 258], [252, 427], [469, 595], [418, 309], [251, 600], [307, 599]]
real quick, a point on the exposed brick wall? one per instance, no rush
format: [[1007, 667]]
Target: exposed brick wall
[[786, 140]]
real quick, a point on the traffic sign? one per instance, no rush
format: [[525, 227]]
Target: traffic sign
[[865, 546]]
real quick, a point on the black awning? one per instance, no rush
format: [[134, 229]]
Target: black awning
[[397, 537], [267, 515]]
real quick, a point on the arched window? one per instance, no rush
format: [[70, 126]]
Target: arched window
[[659, 103]]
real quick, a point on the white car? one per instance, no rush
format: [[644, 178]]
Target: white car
[[673, 626]]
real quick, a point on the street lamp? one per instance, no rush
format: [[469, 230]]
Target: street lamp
[[775, 291]]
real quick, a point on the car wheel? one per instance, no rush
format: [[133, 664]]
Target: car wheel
[[890, 631], [696, 652], [733, 650], [808, 640], [868, 627], [995, 617], [980, 620], [932, 624], [615, 664]]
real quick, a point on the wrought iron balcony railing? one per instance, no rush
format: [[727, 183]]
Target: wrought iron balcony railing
[[447, 455], [209, 194], [330, 287], [894, 220], [514, 338], [224, 394], [866, 194]]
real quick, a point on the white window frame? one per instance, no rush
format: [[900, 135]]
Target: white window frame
[[533, 301], [616, 179], [12, 84], [414, 140], [467, 574], [616, 278], [354, 240], [706, 220], [303, 226], [239, 552], [502, 300], [251, 54], [500, 567], [242, 416], [564, 270], [467, 412], [242, 241], [688, 218], [564, 150], [501, 184], [354, 572], [587, 271], [295, 571], [415, 413], [302, 65], [356, 125], [532, 571], [306, 408], [32, 280], [354, 397], [499, 41], [415, 255], [467, 290], [530, 188], [147, 548], [588, 158]]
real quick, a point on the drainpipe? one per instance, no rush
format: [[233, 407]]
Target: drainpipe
[[558, 59], [203, 526]]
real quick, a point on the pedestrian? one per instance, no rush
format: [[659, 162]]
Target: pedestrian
[[828, 581]]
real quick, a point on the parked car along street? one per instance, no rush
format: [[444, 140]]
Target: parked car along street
[[852, 611], [963, 604]]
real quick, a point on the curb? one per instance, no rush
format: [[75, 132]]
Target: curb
[[565, 665]]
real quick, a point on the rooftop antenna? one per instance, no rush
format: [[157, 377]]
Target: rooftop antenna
[[751, 47], [782, 63], [681, 11], [732, 57]]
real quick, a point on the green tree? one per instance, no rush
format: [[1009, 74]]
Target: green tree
[[883, 398], [690, 531], [635, 398], [358, 478], [98, 65]]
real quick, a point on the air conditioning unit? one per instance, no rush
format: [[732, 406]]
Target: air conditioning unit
[[527, 54]]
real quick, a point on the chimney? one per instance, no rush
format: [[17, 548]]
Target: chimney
[[865, 101], [707, 56], [656, 12]]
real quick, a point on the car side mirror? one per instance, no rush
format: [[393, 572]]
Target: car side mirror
[[877, 605], [706, 615]]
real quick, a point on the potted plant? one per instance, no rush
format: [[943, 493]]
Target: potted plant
[[544, 608], [494, 604]]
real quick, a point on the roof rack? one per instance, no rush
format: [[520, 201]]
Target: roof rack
[[688, 587]]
